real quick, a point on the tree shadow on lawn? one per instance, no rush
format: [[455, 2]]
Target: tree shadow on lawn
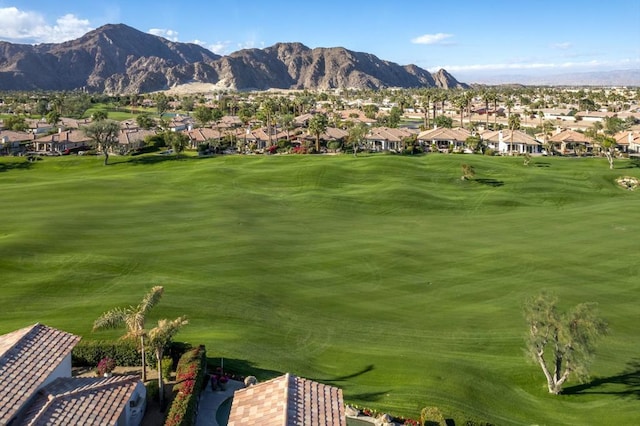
[[629, 379], [22, 165], [489, 182], [541, 164], [369, 396], [634, 163], [365, 370], [242, 367], [155, 159]]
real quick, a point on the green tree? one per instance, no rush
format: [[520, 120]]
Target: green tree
[[562, 344], [17, 123], [162, 103], [52, 117], [356, 135], [317, 126], [159, 339], [443, 121], [99, 115], [474, 143], [370, 111], [186, 104], [104, 134], [176, 140], [514, 124], [203, 115], [145, 121], [133, 317]]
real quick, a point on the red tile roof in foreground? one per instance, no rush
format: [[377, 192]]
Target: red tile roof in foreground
[[27, 357], [81, 401], [288, 401]]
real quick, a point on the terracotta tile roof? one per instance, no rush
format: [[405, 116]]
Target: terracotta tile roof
[[569, 135], [81, 401], [445, 134], [27, 357], [288, 401]]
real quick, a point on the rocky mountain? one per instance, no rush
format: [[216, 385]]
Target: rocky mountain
[[120, 59]]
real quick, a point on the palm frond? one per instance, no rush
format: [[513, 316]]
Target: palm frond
[[150, 300], [110, 319]]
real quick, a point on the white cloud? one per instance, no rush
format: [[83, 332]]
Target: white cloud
[[533, 66], [439, 38], [162, 32], [562, 46], [32, 27], [219, 47]]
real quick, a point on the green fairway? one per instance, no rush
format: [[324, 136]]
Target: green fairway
[[387, 276]]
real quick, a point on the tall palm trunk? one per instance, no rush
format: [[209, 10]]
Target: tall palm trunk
[[144, 360]]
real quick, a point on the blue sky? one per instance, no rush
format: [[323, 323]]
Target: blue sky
[[470, 39]]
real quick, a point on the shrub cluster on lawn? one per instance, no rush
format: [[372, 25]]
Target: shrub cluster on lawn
[[190, 374]]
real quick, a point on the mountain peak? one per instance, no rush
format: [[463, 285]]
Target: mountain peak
[[117, 58]]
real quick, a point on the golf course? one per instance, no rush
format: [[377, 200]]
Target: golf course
[[388, 276]]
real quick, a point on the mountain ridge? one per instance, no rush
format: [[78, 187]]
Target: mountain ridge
[[118, 59]]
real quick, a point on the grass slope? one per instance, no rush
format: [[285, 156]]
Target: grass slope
[[387, 276]]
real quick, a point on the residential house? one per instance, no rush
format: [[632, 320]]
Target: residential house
[[40, 127], [629, 141], [36, 387], [12, 143], [511, 142], [61, 141], [288, 400], [570, 142], [132, 139], [203, 135], [387, 138], [330, 134], [444, 139]]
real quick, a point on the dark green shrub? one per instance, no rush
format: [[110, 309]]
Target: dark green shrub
[[152, 390], [167, 366], [89, 353]]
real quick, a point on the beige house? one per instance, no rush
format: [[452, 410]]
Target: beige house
[[36, 387], [387, 138], [444, 139], [511, 142]]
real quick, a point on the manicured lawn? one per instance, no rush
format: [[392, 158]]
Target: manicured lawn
[[386, 276]]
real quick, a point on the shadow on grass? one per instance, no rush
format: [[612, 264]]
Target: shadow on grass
[[628, 383], [242, 367], [489, 182], [634, 163], [369, 396], [365, 370], [155, 159], [541, 164], [22, 165]]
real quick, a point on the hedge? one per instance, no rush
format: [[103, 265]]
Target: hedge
[[125, 353], [190, 375]]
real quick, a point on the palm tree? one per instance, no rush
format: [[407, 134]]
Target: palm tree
[[159, 338], [317, 126], [133, 318]]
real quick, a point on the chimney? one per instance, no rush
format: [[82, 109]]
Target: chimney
[[558, 130], [190, 127], [500, 136], [59, 129], [630, 137]]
